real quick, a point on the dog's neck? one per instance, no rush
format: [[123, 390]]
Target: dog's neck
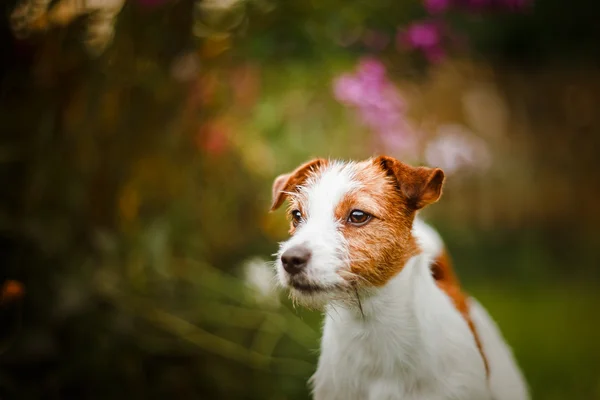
[[392, 303], [407, 325]]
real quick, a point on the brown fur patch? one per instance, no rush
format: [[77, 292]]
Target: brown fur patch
[[446, 279], [380, 248], [420, 186], [289, 182], [392, 192]]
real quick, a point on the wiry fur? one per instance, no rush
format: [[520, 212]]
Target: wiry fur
[[394, 329]]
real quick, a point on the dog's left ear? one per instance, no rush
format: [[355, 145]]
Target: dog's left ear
[[287, 182], [420, 185]]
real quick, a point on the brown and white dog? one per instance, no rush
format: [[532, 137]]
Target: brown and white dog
[[398, 325]]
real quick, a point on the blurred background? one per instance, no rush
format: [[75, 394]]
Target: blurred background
[[140, 140]]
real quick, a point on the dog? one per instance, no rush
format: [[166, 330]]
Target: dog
[[397, 325]]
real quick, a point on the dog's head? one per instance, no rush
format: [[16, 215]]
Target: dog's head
[[350, 223]]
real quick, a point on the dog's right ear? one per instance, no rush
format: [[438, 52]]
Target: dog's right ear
[[288, 182]]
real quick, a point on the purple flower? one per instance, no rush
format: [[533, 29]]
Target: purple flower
[[371, 69], [364, 88], [379, 105], [425, 36], [422, 35], [348, 89], [380, 120], [401, 141], [436, 6]]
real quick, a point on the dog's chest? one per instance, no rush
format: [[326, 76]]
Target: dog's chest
[[394, 358], [360, 362]]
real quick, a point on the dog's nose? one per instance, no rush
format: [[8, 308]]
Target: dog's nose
[[295, 259]]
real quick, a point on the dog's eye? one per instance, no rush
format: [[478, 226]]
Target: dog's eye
[[358, 217], [296, 217]]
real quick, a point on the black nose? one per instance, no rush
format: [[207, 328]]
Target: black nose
[[295, 259]]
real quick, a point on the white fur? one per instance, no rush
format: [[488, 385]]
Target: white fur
[[428, 239], [506, 380], [319, 230]]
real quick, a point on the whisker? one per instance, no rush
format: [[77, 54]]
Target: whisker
[[353, 276]]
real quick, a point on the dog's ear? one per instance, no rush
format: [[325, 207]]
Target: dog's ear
[[288, 182], [420, 185]]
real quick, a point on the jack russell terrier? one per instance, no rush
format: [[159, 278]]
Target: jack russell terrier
[[398, 325]]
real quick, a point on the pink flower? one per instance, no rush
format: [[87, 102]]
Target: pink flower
[[428, 37], [364, 88], [379, 105], [400, 141], [347, 89], [371, 69], [436, 6], [422, 35], [380, 120]]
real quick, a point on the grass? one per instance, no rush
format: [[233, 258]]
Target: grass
[[554, 332]]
